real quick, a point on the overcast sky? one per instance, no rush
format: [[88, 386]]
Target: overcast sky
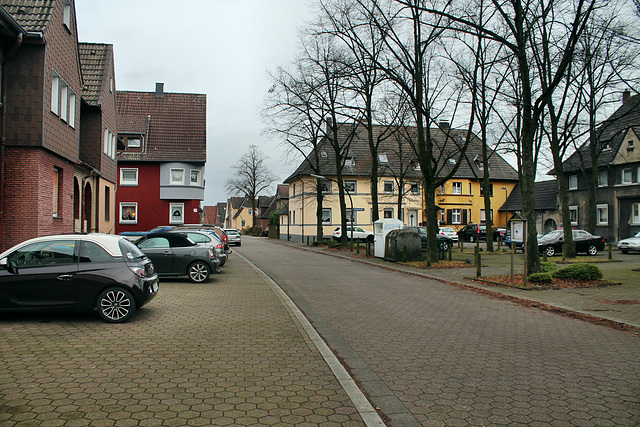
[[222, 48]]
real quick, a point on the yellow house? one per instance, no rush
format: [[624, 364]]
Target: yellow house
[[239, 213], [399, 185]]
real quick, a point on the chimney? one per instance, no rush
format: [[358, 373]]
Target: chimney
[[444, 125], [329, 124], [159, 90], [625, 96]]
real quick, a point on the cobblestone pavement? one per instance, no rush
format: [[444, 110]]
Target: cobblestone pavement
[[223, 353], [428, 353]]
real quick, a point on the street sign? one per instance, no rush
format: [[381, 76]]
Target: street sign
[[358, 209]]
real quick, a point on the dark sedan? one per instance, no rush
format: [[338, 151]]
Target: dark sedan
[[552, 242], [100, 272], [444, 242], [174, 254]]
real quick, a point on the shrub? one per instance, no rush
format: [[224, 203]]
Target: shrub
[[579, 272], [548, 267], [545, 277]]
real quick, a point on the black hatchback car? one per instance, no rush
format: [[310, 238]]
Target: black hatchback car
[[174, 254], [79, 272], [475, 232]]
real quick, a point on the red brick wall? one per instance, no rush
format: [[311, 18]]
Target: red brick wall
[[28, 195]]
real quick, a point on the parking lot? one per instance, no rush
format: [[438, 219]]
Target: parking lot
[[221, 353]]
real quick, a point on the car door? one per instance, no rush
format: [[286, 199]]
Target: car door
[[581, 240], [184, 253], [41, 274], [159, 252]]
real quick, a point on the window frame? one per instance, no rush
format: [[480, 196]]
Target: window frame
[[456, 187], [57, 175], [456, 212], [573, 216], [67, 14], [602, 208], [198, 181], [623, 179], [385, 184], [635, 213], [175, 182], [124, 183], [55, 93], [603, 182], [175, 207], [133, 205], [325, 186], [324, 212], [572, 183], [129, 145], [349, 182], [414, 188]]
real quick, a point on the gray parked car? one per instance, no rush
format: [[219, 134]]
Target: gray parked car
[[206, 238], [233, 236], [173, 254]]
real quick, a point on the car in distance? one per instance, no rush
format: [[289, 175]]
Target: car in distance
[[474, 232], [359, 234], [233, 237], [210, 229], [444, 242], [631, 244], [552, 242], [135, 235], [173, 254], [77, 272], [448, 232], [208, 239]]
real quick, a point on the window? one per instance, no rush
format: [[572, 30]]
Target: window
[[293, 217], [388, 186], [602, 214], [55, 93], [630, 146], [325, 186], [349, 161], [52, 252], [177, 213], [573, 182], [635, 213], [107, 204], [64, 101], [483, 215], [133, 142], [573, 215], [72, 108], [382, 158], [129, 177], [350, 186], [415, 188], [442, 189], [457, 188], [195, 177], [490, 190], [388, 213], [351, 216], [56, 191], [112, 143], [92, 252], [177, 177], [326, 215], [443, 216], [456, 216], [66, 14], [106, 142], [627, 176], [128, 213], [603, 179]]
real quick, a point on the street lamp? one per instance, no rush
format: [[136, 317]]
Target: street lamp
[[350, 202]]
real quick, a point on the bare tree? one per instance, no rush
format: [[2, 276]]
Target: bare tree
[[251, 178]]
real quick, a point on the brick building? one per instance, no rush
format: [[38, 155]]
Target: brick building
[[41, 120]]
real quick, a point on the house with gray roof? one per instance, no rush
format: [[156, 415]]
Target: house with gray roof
[[618, 174], [546, 204]]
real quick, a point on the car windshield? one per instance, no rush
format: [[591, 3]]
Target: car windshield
[[234, 232], [553, 234], [129, 250], [637, 235]]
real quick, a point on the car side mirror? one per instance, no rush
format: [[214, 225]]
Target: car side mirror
[[9, 266]]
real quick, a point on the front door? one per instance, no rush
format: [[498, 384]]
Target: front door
[[413, 218]]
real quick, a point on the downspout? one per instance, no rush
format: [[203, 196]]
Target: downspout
[[3, 137]]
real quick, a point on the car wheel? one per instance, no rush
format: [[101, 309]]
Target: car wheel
[[445, 246], [198, 272], [116, 305], [239, 244], [592, 250], [470, 239], [624, 251], [551, 251]]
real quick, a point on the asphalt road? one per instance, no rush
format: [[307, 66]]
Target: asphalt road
[[427, 353]]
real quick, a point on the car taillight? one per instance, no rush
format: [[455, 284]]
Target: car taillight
[[138, 271], [224, 238], [219, 246]]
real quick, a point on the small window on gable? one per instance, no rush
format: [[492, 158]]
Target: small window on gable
[[66, 14], [323, 154], [630, 145], [382, 158], [133, 142], [606, 146]]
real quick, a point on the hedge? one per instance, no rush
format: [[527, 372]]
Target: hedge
[[579, 272]]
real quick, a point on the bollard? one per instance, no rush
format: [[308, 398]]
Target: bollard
[[428, 257], [544, 256], [450, 251], [476, 252], [404, 254], [461, 240], [479, 266], [358, 248], [610, 255]]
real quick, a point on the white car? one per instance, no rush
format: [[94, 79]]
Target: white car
[[449, 232], [632, 244], [359, 234]]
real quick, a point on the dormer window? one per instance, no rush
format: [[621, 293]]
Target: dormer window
[[606, 146], [133, 142], [323, 154], [630, 145], [66, 15], [382, 158], [349, 161]]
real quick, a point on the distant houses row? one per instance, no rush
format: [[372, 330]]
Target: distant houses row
[[76, 155]]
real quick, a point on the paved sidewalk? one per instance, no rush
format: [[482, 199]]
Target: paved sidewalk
[[227, 352], [617, 305]]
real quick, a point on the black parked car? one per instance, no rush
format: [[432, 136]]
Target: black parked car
[[473, 232], [444, 242], [79, 272], [174, 254], [552, 242]]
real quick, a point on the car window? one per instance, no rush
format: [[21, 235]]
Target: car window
[[92, 252], [51, 252], [358, 229], [129, 250], [637, 234], [180, 241], [154, 242], [199, 238]]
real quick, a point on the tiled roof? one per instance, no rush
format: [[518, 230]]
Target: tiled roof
[[93, 57], [404, 160], [32, 15], [283, 191], [176, 121], [545, 194], [611, 132]]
